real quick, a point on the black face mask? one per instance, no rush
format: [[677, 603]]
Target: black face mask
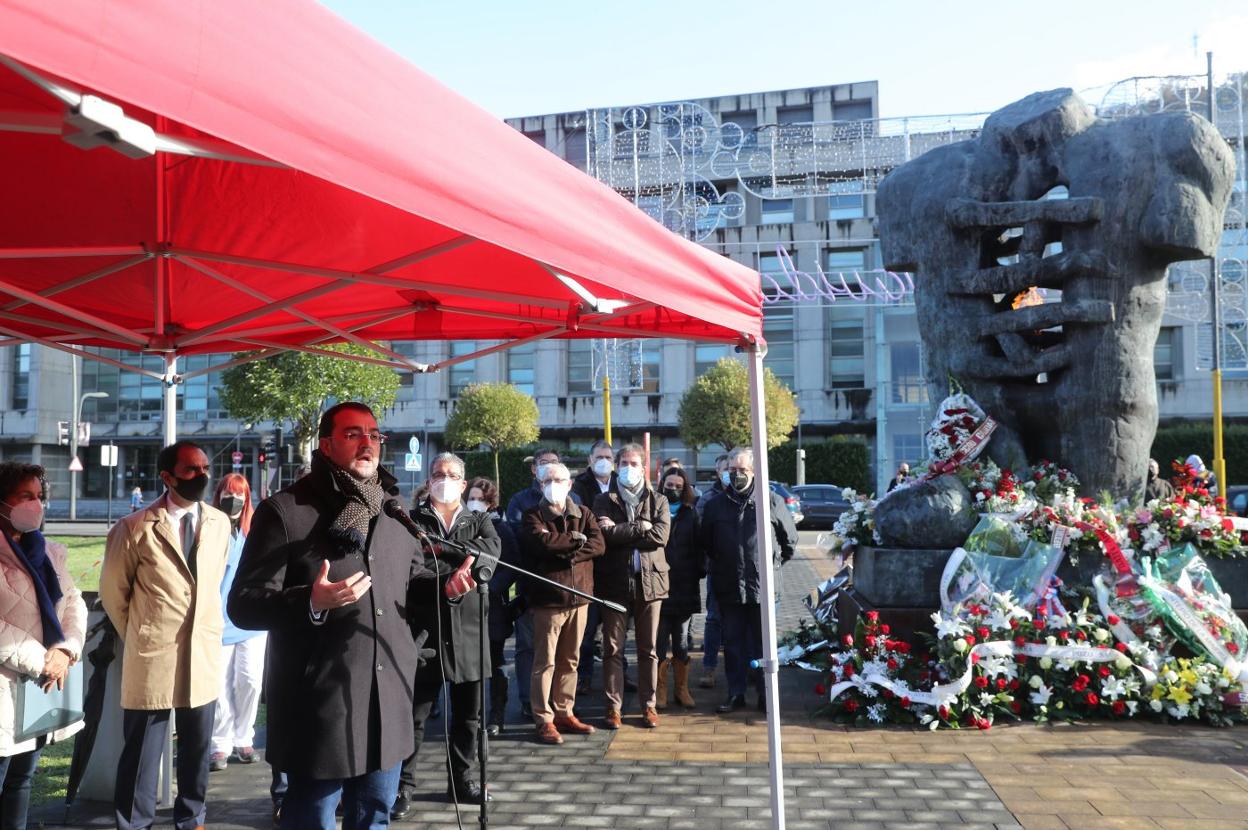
[[232, 505], [741, 481], [191, 489], [672, 495]]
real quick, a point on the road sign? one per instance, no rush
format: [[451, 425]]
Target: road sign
[[108, 455], [411, 461], [75, 465], [413, 445], [84, 433], [236, 459]]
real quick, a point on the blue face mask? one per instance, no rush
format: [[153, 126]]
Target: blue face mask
[[725, 478], [630, 477]]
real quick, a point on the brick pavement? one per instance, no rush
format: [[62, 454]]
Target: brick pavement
[[708, 771]]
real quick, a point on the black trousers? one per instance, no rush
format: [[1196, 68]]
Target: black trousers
[[464, 700], [146, 732]]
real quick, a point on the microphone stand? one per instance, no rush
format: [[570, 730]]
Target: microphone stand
[[430, 544]]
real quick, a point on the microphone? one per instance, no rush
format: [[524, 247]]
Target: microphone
[[484, 566]]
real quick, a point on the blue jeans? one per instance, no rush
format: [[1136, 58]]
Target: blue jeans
[[366, 801], [16, 771], [712, 632], [743, 642], [524, 655]]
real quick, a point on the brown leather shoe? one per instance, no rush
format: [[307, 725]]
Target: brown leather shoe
[[572, 725], [650, 719], [548, 734], [612, 720]]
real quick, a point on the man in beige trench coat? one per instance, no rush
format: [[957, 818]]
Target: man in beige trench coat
[[161, 587]]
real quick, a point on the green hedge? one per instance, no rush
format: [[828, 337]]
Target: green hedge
[[1179, 441], [841, 460], [512, 470]]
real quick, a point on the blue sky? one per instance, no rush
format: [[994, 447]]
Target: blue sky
[[538, 56]]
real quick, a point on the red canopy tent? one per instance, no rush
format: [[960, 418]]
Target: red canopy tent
[[220, 175]]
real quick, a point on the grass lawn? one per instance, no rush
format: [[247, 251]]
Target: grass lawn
[[85, 555], [52, 773]]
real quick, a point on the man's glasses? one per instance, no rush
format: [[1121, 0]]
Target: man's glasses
[[357, 435], [446, 477]]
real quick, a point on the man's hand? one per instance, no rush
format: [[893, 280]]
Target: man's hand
[[605, 523], [460, 582], [326, 594], [579, 538], [55, 668], [645, 526]]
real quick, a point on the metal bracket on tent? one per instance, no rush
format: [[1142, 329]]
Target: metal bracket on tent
[[595, 304]]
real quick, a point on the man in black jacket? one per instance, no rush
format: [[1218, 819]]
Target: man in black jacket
[[454, 632], [597, 478], [326, 571], [728, 535]]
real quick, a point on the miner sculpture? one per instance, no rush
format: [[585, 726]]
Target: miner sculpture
[[988, 232]]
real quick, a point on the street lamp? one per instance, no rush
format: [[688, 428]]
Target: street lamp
[[73, 445]]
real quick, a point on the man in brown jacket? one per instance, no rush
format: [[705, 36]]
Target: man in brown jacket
[[161, 587], [635, 521], [559, 540]]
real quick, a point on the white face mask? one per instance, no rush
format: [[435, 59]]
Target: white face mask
[[556, 493], [602, 467], [446, 491], [25, 516], [630, 477], [477, 506]]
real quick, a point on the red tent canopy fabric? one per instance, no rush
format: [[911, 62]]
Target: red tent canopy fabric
[[309, 186]]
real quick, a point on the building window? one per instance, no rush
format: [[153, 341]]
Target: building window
[[574, 150], [462, 375], [520, 367], [907, 369], [795, 115], [21, 376], [1165, 353], [651, 358], [778, 331], [847, 201], [845, 261], [538, 137], [907, 447], [852, 110], [846, 366], [580, 367], [706, 355], [777, 212]]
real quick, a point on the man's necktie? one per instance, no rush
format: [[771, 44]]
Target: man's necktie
[[188, 540]]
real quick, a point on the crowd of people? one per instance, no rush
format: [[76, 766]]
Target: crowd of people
[[342, 608]]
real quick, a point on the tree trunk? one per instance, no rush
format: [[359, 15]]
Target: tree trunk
[[497, 482]]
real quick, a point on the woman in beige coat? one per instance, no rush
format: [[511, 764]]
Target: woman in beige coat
[[42, 620]]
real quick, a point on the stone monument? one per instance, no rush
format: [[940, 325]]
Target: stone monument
[[977, 223]]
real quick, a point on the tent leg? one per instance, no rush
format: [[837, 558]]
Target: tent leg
[[169, 425], [762, 504]]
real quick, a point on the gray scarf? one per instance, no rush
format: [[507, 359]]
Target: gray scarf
[[631, 499]]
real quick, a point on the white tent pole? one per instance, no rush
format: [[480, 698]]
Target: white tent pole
[[169, 425], [762, 505]]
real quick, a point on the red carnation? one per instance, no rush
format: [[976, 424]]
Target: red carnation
[[870, 639], [849, 670], [848, 640], [1020, 641], [1113, 619], [892, 664], [1014, 684], [1119, 707], [1092, 699], [943, 711], [1079, 635], [970, 639], [1002, 683], [1121, 647], [983, 632], [821, 689], [1080, 683], [873, 616], [1103, 671], [1021, 659], [905, 702], [884, 628], [981, 682], [1016, 707], [983, 723], [974, 658], [851, 705]]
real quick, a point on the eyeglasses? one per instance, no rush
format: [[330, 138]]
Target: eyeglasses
[[446, 477], [357, 435]]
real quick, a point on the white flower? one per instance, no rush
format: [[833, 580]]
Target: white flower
[[1156, 705], [1101, 635], [960, 646], [1036, 681], [985, 698], [1066, 665], [1112, 688], [1203, 688], [849, 494], [949, 626], [1046, 663], [1133, 706], [876, 712], [1041, 696], [1122, 662]]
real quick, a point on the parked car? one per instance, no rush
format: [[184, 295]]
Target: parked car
[[790, 501], [822, 504], [1237, 499]]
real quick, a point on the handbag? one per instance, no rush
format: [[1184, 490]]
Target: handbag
[[40, 713]]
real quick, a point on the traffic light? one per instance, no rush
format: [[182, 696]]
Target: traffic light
[[290, 453], [261, 457], [62, 433]]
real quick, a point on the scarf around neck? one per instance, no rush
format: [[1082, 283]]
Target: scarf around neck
[[630, 498], [363, 499], [32, 552]]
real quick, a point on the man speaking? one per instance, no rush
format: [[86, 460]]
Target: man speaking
[[326, 572]]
